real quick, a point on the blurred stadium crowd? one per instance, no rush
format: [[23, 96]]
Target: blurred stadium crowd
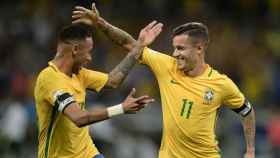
[[244, 35]]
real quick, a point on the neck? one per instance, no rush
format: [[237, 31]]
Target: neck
[[198, 70], [63, 63]]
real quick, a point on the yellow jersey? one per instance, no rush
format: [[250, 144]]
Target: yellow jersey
[[189, 106], [59, 137]]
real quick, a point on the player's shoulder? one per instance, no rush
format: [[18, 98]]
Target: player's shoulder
[[224, 80], [158, 53], [85, 72], [47, 76], [216, 75], [46, 73]]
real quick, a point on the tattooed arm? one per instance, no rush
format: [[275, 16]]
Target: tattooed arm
[[147, 36], [92, 18], [119, 73], [248, 123], [117, 35]]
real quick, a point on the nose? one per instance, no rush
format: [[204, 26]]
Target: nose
[[175, 53]]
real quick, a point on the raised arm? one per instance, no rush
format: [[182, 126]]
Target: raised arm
[[146, 37], [119, 73], [117, 35], [82, 118], [92, 18]]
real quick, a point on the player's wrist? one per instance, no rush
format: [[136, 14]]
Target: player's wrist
[[140, 43], [115, 110], [100, 22]]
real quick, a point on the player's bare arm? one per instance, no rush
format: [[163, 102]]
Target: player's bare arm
[[92, 18], [128, 106], [147, 36], [119, 73], [248, 121], [117, 35]]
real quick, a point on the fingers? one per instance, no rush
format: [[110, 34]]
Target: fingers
[[132, 92], [80, 11], [137, 106], [154, 26], [137, 109], [78, 21], [139, 99], [76, 16], [157, 29], [93, 8], [80, 8], [150, 25], [146, 101]]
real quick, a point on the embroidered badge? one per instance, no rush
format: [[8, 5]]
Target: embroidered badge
[[208, 96]]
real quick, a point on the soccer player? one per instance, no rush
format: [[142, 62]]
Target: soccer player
[[191, 90], [60, 96]]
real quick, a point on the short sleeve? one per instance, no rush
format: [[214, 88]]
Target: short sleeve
[[233, 98], [157, 61], [55, 92], [94, 80]]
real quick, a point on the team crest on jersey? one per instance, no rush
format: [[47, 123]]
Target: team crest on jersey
[[208, 96]]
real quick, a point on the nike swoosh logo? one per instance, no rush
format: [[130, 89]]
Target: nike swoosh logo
[[174, 82]]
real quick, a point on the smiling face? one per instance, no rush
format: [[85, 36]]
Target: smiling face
[[187, 54], [190, 42]]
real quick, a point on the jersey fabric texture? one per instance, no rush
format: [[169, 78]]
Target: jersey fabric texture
[[59, 137]]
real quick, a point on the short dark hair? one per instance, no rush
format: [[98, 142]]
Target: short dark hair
[[197, 31], [74, 32]]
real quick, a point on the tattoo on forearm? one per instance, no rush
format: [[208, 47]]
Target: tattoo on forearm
[[118, 74], [127, 64], [117, 35], [249, 129]]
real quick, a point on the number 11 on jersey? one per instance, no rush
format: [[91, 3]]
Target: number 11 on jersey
[[186, 108]]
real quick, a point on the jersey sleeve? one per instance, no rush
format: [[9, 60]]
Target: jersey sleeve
[[157, 61], [55, 92], [94, 80], [233, 98]]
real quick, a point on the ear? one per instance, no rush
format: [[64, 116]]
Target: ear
[[75, 49], [200, 48]]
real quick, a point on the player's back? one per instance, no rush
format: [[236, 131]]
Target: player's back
[[58, 136]]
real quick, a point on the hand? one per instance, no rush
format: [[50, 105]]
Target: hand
[[249, 154], [85, 16], [149, 33], [131, 105]]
